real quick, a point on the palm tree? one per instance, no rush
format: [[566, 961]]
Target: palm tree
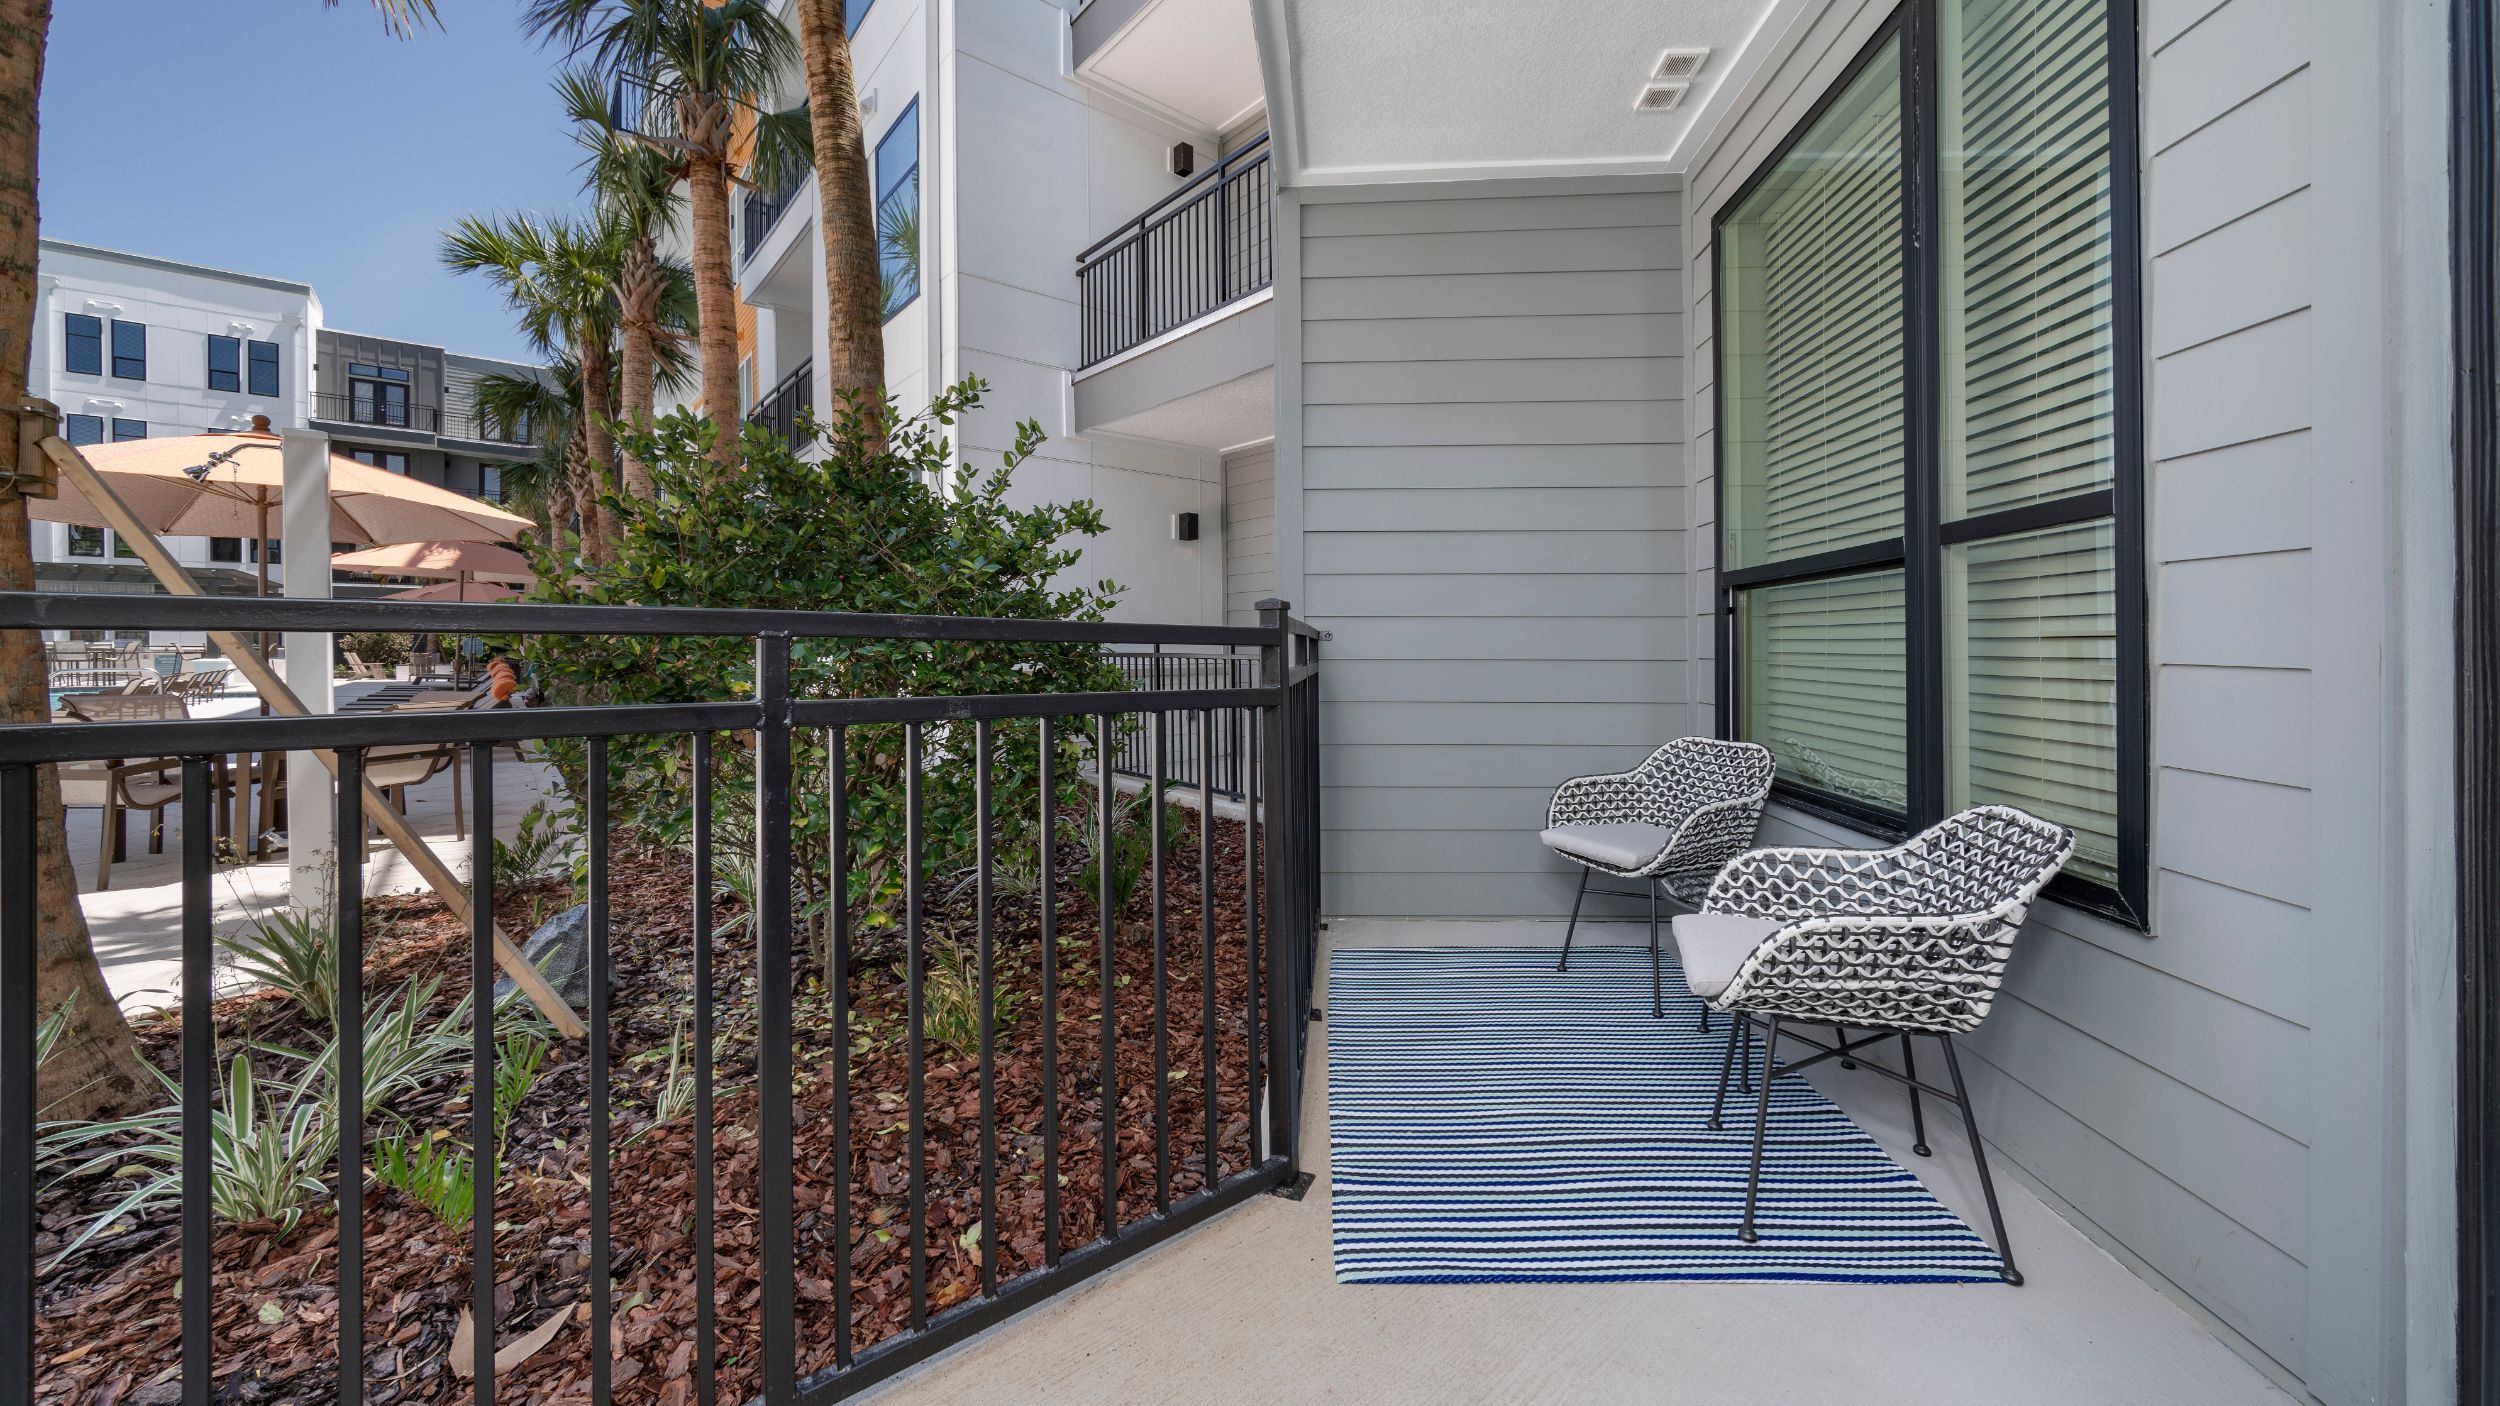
[[854, 295], [559, 273], [636, 185], [94, 1068], [696, 62]]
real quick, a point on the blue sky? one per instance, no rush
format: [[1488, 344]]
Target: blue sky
[[352, 150]]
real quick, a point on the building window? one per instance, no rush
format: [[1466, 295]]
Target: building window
[[381, 459], [86, 541], [1927, 462], [225, 363], [490, 482], [377, 395], [225, 549], [130, 350], [83, 429], [853, 11], [277, 549], [898, 210], [122, 550], [82, 344], [129, 429], [264, 362]]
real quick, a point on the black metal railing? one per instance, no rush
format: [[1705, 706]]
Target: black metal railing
[[761, 208], [784, 409], [477, 425], [367, 410], [1224, 763], [1203, 247], [804, 1254]]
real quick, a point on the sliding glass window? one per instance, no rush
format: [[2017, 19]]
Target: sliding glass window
[[1927, 395]]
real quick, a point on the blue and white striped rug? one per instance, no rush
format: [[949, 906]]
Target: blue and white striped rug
[[1491, 1119]]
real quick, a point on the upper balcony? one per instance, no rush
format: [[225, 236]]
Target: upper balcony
[[1189, 256], [1195, 62]]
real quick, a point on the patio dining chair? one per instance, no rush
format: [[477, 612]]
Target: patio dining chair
[[1670, 822], [147, 785], [1911, 940]]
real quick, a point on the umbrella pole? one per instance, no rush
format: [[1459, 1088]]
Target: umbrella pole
[[274, 693]]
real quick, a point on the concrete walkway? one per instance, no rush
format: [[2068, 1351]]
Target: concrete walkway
[[1246, 1307]]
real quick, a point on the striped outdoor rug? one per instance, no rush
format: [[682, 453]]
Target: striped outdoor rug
[[1492, 1120]]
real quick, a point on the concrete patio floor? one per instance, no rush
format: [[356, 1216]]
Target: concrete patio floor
[[1247, 1306]]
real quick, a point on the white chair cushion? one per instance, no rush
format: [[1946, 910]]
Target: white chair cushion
[[1623, 846], [1713, 945]]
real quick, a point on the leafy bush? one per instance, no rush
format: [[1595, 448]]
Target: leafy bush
[[540, 846], [384, 647], [290, 950], [883, 526]]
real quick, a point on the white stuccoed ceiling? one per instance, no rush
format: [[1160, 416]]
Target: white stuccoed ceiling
[[1453, 89], [1191, 60]]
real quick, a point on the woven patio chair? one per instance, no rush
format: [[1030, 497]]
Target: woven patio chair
[[1670, 822], [1911, 940]]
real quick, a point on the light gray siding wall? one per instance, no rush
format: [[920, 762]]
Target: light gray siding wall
[[2212, 1099], [1491, 518], [1249, 532]]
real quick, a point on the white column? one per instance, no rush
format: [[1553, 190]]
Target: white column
[[311, 799]]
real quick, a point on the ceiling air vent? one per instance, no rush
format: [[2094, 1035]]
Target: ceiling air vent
[[1676, 65], [1661, 97]]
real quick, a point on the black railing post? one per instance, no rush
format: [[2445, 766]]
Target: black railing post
[[772, 987], [1284, 1024], [17, 1082]]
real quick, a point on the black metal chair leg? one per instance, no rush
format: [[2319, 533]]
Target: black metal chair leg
[[1727, 1065], [1979, 1156], [1565, 964], [1840, 1036], [1918, 1115], [1761, 1126], [1657, 990]]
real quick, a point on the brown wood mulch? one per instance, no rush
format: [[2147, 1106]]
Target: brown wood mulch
[[109, 1329]]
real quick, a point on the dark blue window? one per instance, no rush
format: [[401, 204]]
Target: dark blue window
[[83, 429], [264, 368], [129, 429], [130, 350], [82, 343], [225, 363], [898, 210]]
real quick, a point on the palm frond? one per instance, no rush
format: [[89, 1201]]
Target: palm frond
[[401, 19]]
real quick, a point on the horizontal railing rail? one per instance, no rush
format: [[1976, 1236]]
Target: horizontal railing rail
[[816, 1340], [350, 409], [784, 409], [1225, 766], [1200, 249]]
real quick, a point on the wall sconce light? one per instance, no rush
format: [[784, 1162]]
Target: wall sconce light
[[1184, 527]]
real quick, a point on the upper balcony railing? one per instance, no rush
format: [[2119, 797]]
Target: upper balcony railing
[[477, 425], [761, 208], [378, 411], [784, 406], [1199, 249]]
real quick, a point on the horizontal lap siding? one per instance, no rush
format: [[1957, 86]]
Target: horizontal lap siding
[[1249, 532], [1493, 525], [2161, 1086]]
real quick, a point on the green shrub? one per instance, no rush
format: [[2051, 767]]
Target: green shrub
[[1132, 849], [540, 847], [887, 526], [950, 1000], [432, 1171], [386, 648], [291, 951]]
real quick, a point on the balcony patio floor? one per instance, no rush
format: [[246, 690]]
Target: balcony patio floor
[[1248, 1305]]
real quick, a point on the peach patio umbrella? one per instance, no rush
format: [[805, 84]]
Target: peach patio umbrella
[[472, 592], [455, 561]]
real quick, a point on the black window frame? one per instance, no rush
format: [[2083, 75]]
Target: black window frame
[[882, 191], [368, 388], [92, 537], [124, 362], [226, 549], [232, 371], [1919, 553], [79, 328], [854, 13], [253, 365]]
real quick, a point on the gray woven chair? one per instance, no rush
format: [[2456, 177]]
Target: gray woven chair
[[1670, 822], [1911, 940]]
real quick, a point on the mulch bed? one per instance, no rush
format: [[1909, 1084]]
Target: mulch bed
[[109, 1329]]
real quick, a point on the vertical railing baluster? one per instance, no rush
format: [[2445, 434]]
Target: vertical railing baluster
[[348, 938], [1110, 1132], [602, 1336], [989, 992], [706, 1272], [17, 1082], [1050, 998], [1250, 830], [838, 981], [1206, 948], [1162, 1015], [199, 1077], [915, 976], [1284, 1017], [483, 1148], [772, 1032]]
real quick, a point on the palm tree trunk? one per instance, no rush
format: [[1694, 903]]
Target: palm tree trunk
[[638, 301], [598, 446], [559, 491], [705, 123], [855, 320], [95, 1068]]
